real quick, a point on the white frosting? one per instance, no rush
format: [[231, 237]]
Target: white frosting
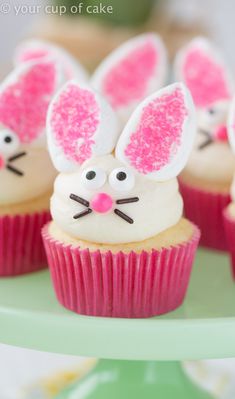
[[38, 177], [215, 162], [159, 206]]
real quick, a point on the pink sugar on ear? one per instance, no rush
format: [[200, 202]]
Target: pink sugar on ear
[[158, 135], [32, 54], [205, 79], [24, 104], [127, 81], [75, 119]]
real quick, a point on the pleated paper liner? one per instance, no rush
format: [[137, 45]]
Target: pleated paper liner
[[134, 285], [229, 225], [21, 246], [205, 209]]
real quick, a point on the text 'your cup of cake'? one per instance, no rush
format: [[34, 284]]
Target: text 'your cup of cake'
[[118, 245], [206, 179]]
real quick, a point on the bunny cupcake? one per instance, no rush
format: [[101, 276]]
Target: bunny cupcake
[[229, 212], [118, 245], [206, 179], [26, 172]]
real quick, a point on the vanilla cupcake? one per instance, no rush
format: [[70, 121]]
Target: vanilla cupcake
[[229, 211], [205, 181], [26, 171], [118, 245]]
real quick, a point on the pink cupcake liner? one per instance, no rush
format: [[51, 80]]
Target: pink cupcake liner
[[21, 246], [107, 284], [205, 209], [229, 225]]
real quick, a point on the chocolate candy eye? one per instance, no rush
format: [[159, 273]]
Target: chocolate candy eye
[[91, 175], [122, 179], [93, 178], [211, 111], [9, 142], [8, 139]]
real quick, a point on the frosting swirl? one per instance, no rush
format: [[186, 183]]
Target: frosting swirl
[[159, 205]]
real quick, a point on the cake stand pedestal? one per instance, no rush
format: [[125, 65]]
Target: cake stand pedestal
[[202, 328], [120, 379]]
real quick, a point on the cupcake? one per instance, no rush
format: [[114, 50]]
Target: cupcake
[[26, 171], [118, 245], [229, 211], [205, 181]]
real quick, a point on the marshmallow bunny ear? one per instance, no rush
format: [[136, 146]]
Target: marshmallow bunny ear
[[80, 125], [24, 99], [201, 67], [159, 136], [37, 49], [131, 72]]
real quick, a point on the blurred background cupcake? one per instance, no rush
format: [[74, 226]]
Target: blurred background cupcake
[[206, 179], [26, 172]]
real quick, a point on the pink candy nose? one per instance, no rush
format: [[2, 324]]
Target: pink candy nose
[[101, 203], [220, 133], [2, 163]]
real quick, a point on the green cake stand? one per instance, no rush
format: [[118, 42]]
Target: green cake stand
[[142, 355]]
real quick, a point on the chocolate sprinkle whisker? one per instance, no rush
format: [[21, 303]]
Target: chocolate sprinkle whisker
[[83, 213], [205, 143], [127, 200], [123, 216], [205, 132], [80, 200], [17, 156], [14, 170]]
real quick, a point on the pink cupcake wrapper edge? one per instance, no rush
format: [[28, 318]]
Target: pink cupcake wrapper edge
[[21, 246], [133, 285], [205, 209]]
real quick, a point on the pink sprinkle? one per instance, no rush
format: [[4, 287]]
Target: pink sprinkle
[[158, 135], [32, 54], [24, 104], [128, 80], [75, 119], [205, 79]]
